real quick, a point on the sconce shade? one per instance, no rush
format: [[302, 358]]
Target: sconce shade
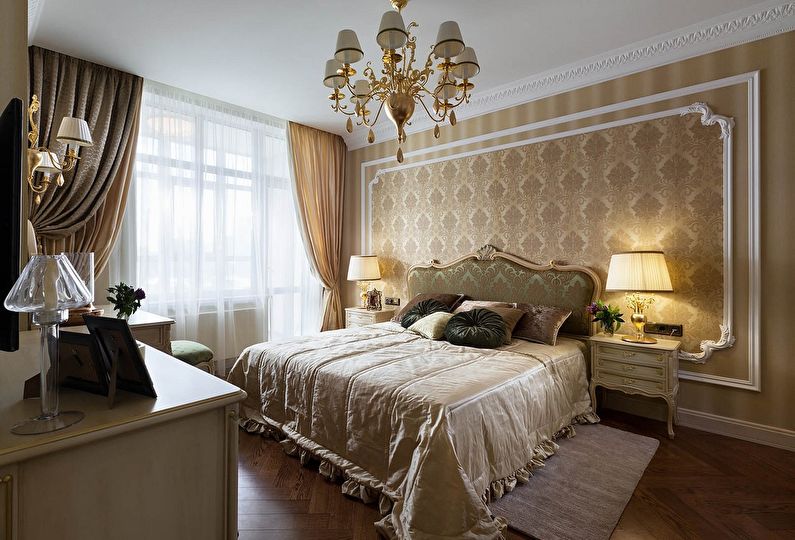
[[392, 32], [638, 271], [74, 131], [332, 78], [348, 49], [47, 283], [449, 42], [466, 64], [49, 162], [364, 268]]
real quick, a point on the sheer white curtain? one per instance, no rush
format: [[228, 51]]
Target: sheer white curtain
[[210, 231]]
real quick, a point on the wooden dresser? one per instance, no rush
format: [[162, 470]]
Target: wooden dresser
[[146, 327], [163, 468], [636, 368], [355, 316]]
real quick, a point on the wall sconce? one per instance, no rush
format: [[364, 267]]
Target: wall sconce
[[73, 132]]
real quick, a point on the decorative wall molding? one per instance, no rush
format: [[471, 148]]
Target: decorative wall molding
[[729, 30], [751, 81]]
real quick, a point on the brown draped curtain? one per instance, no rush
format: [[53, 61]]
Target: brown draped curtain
[[86, 213], [319, 179]]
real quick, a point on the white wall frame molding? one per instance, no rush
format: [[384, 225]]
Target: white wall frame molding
[[726, 124]]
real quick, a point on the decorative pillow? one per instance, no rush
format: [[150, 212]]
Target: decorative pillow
[[540, 323], [422, 309], [432, 326], [450, 300], [478, 327], [467, 305], [511, 316]]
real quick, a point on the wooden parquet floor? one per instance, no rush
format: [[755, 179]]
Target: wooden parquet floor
[[697, 486]]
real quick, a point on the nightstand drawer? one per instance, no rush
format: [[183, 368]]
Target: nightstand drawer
[[649, 358], [631, 369], [641, 384], [360, 319]]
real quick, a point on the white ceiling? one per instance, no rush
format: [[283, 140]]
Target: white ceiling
[[269, 55]]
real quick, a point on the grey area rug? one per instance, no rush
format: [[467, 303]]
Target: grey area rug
[[582, 490]]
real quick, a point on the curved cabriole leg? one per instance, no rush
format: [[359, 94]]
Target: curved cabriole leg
[[671, 411]]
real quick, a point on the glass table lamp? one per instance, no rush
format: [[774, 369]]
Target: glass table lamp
[[47, 288], [636, 272], [364, 269]]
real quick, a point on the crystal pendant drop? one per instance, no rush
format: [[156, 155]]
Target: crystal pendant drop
[[349, 126], [370, 136], [400, 155], [452, 118], [37, 199], [436, 131], [59, 180]]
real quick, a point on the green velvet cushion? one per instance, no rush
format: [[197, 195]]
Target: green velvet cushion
[[422, 309], [191, 352], [480, 328]]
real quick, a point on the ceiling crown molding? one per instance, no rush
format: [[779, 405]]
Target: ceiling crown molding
[[750, 24]]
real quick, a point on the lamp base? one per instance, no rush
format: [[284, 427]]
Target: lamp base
[[635, 339], [45, 424]]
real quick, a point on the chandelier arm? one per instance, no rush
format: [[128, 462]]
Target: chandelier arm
[[378, 113], [430, 114]]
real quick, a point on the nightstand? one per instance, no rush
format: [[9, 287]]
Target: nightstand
[[635, 368], [355, 316]]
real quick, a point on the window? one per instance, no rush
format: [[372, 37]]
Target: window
[[210, 231]]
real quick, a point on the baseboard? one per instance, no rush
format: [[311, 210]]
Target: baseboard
[[712, 423], [739, 429]]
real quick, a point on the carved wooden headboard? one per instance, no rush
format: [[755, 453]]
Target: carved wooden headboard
[[489, 274]]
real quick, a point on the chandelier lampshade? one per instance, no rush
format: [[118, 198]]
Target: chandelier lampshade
[[332, 78], [392, 32], [466, 64], [348, 49], [398, 86], [449, 42]]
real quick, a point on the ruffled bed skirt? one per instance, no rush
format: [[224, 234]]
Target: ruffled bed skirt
[[357, 483]]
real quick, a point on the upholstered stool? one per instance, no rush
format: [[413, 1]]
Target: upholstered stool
[[195, 354]]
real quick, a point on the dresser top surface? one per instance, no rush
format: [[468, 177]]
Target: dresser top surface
[[181, 389], [387, 309]]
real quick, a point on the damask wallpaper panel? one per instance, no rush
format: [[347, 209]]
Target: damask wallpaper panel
[[650, 185]]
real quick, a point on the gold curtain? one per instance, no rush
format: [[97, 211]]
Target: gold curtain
[[86, 213], [319, 172]]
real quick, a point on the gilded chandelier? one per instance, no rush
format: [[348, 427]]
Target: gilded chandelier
[[401, 87]]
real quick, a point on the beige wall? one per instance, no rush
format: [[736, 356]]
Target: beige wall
[[774, 57], [13, 50]]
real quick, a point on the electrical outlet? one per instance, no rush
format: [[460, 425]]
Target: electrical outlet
[[392, 301], [664, 329]]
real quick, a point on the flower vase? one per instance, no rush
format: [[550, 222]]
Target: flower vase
[[609, 329]]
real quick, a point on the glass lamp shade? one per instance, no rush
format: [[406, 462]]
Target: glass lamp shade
[[48, 283], [348, 49], [75, 132], [332, 78], [638, 271], [466, 64], [449, 42], [83, 263], [392, 32], [364, 268]]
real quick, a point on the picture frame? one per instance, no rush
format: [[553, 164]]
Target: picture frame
[[81, 364], [121, 354], [374, 300]]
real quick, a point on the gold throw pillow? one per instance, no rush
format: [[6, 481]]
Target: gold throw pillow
[[432, 326]]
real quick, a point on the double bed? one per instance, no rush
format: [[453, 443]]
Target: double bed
[[430, 431]]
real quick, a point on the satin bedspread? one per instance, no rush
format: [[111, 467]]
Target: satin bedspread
[[429, 424]]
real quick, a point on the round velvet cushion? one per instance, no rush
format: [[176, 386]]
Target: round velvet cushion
[[476, 328], [422, 309]]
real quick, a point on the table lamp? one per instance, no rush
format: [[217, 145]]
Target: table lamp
[[364, 269], [48, 287], [638, 272]]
